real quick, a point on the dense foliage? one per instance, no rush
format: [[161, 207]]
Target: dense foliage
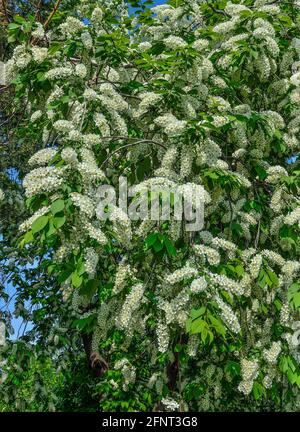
[[130, 315]]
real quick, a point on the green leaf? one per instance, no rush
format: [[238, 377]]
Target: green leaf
[[273, 278], [261, 172], [90, 288], [51, 229], [296, 300], [86, 324], [59, 221], [57, 206], [39, 224], [150, 240], [170, 247], [233, 368], [258, 390], [196, 313], [158, 246], [294, 295], [28, 237], [198, 326], [217, 324], [12, 26], [76, 279]]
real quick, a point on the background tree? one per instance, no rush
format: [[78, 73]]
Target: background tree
[[184, 94]]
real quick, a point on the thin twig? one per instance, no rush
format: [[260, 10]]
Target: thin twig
[[218, 11], [130, 145], [56, 6]]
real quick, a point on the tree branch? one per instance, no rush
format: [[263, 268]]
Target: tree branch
[[48, 20]]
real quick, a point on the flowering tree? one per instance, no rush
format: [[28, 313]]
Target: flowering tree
[[185, 94]]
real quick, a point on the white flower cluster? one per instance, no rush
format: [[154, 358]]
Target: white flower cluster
[[87, 40], [128, 372], [255, 266], [69, 155], [226, 283], [97, 16], [250, 369], [179, 275], [174, 42], [81, 70], [59, 73], [228, 316], [42, 157], [293, 217], [2, 333], [95, 233], [171, 125], [39, 54], [102, 124], [45, 179], [273, 257], [70, 26], [170, 404], [122, 275], [85, 203], [225, 245], [131, 304], [91, 261], [148, 100], [212, 255], [39, 32], [272, 353], [163, 336], [198, 285]]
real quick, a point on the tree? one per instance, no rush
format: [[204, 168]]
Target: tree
[[187, 94]]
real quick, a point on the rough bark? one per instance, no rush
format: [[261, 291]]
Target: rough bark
[[96, 362]]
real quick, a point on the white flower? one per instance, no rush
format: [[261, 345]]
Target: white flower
[[2, 333], [39, 54], [80, 70], [59, 73], [97, 16], [272, 354], [198, 285], [228, 316], [87, 39], [181, 274], [36, 115], [174, 42], [144, 46], [91, 261], [170, 404], [163, 336], [39, 180], [42, 157], [172, 126], [27, 224], [85, 203], [131, 304], [63, 126], [200, 44], [249, 374], [70, 156], [39, 32]]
